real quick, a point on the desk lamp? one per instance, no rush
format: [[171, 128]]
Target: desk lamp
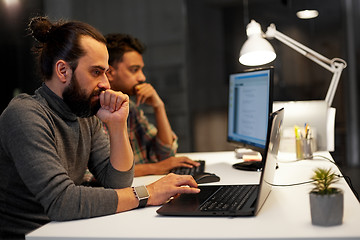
[[258, 51]]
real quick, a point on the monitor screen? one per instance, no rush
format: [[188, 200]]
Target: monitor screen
[[250, 105]]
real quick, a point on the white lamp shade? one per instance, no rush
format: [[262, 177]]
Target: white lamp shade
[[256, 51]]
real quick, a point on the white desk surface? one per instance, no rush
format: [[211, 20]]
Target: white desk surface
[[285, 214]]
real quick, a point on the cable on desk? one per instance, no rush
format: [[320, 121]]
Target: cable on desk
[[309, 159], [289, 185], [347, 178], [296, 184]]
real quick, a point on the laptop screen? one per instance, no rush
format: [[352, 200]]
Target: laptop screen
[[249, 106]]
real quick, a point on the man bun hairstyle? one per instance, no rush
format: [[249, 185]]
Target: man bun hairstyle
[[59, 40], [40, 28], [119, 43]]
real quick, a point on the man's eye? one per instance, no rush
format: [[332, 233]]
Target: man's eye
[[134, 70], [97, 72]]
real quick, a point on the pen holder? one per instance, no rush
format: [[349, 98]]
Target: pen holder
[[304, 148]]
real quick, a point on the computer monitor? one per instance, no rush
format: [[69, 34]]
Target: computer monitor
[[249, 108]]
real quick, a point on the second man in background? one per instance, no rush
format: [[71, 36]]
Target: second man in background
[[154, 146]]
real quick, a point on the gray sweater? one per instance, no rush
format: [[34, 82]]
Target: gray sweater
[[44, 152]]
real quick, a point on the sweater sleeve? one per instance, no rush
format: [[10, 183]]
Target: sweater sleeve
[[29, 140]]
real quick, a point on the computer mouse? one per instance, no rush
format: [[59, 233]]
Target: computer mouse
[[206, 177]]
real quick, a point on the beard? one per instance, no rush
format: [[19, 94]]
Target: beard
[[78, 100]]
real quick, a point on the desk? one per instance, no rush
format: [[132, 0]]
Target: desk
[[285, 214]]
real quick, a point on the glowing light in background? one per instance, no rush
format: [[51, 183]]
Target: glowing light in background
[[307, 14], [12, 10], [11, 3]]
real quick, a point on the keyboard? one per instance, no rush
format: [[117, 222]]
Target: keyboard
[[190, 171], [229, 198]]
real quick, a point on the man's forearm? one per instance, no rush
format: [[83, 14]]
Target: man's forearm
[[121, 154], [114, 112], [165, 133], [126, 199], [145, 169]]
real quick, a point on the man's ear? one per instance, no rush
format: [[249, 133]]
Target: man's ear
[[63, 70]]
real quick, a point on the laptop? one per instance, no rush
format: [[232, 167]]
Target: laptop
[[248, 199]]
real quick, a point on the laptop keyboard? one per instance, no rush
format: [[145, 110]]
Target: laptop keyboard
[[229, 198], [190, 171]]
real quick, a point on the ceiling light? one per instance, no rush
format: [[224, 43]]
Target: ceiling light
[[11, 2], [307, 14]]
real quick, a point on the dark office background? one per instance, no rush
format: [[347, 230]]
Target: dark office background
[[193, 46]]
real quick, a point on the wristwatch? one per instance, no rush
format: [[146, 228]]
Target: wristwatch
[[142, 195]]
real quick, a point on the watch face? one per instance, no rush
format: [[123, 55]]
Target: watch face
[[142, 192]]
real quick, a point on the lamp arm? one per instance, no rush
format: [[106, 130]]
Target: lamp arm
[[335, 65], [334, 83]]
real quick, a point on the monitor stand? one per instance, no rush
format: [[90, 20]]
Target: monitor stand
[[248, 166], [252, 160]]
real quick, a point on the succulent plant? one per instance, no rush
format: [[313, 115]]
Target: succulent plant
[[323, 180]]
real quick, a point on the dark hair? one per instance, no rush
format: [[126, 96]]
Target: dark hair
[[118, 44], [60, 40]]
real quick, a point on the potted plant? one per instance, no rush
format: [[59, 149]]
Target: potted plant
[[326, 201]]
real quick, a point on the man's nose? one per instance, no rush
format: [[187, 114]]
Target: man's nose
[[104, 83], [141, 77]]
